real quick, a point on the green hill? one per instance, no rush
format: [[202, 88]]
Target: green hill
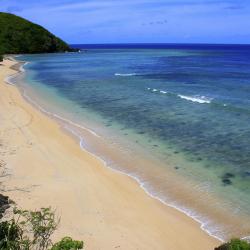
[[17, 35]]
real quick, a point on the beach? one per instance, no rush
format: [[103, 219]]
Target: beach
[[107, 210]]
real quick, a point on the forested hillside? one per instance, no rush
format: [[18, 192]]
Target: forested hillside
[[18, 35]]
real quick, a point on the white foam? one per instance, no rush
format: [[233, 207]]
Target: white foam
[[81, 142], [199, 99], [157, 90], [246, 238], [9, 78], [22, 67], [163, 92], [126, 74]]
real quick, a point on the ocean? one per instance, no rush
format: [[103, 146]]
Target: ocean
[[174, 117]]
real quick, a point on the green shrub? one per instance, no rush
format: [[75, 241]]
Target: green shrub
[[41, 224], [235, 244], [68, 244], [10, 235]]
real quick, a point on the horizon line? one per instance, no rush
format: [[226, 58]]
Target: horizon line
[[246, 44]]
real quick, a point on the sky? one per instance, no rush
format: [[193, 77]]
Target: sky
[[138, 21]]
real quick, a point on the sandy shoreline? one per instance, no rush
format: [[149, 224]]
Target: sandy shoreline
[[106, 209]]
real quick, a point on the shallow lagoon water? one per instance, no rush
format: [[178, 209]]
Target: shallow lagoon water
[[188, 109]]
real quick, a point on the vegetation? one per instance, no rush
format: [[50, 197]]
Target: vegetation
[[67, 243], [235, 244], [32, 230], [18, 35], [1, 53]]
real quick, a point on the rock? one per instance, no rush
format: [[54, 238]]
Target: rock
[[226, 181], [4, 204]]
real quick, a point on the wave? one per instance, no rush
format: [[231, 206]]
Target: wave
[[199, 99], [196, 98], [157, 90], [22, 69], [163, 92], [126, 74], [11, 77]]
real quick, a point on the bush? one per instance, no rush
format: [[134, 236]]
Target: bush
[[68, 244], [1, 58], [235, 244], [11, 236], [30, 230], [41, 224]]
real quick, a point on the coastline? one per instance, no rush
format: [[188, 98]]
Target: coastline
[[101, 222]]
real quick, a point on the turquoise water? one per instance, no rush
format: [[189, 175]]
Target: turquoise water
[[189, 109]]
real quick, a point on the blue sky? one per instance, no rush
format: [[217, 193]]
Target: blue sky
[[139, 21]]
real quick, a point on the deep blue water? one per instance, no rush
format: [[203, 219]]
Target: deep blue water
[[192, 98], [164, 46]]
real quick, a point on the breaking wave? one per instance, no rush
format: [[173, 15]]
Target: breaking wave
[[199, 99], [125, 74]]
